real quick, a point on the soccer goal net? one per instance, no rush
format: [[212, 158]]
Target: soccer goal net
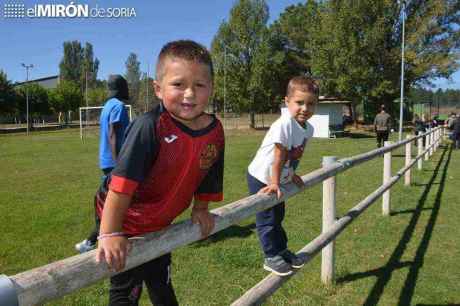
[[89, 119]]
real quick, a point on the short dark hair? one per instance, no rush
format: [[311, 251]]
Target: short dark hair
[[302, 83], [186, 50], [117, 87]]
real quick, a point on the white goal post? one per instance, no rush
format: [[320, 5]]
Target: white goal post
[[84, 121]]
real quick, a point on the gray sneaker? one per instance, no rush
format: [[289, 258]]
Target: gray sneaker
[[293, 259], [277, 265], [84, 246]]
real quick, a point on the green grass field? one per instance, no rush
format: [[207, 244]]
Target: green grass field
[[48, 181]]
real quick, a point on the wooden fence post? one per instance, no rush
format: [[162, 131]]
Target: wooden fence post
[[431, 142], [329, 213], [435, 135], [427, 144], [386, 178], [438, 138], [408, 160], [435, 140], [419, 152]]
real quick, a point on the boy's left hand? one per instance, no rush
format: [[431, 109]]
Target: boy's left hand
[[297, 180], [205, 219]]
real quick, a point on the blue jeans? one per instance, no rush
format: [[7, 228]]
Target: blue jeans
[[272, 236]]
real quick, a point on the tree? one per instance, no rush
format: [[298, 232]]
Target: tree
[[267, 64], [97, 96], [445, 98], [70, 67], [38, 101], [89, 67], [133, 76], [354, 47], [297, 25], [66, 97], [289, 49], [147, 98], [78, 63], [8, 96], [234, 49], [357, 47]]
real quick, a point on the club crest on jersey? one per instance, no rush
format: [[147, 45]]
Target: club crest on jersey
[[208, 156]]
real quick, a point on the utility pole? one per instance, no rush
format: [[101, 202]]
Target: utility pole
[[225, 77], [27, 94], [147, 90], [86, 98], [401, 105]]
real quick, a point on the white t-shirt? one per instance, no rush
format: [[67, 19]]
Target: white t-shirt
[[291, 135]]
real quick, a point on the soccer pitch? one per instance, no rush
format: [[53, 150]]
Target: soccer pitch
[[48, 181]]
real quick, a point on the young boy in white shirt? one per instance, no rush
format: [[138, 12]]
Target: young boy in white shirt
[[275, 163]]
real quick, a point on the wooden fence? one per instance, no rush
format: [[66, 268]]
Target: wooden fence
[[60, 278]]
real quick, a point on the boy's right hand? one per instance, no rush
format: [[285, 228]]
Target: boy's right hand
[[272, 188], [114, 251]]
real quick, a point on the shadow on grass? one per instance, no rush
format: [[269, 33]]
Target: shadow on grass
[[384, 273], [407, 292], [450, 304], [234, 231], [408, 211], [413, 155], [421, 185], [403, 155]]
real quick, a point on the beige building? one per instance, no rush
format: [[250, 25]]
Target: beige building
[[47, 82]]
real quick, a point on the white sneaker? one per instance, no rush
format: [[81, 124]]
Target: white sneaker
[[85, 246]]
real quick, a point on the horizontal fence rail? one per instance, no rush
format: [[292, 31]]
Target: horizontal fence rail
[[60, 278], [265, 288]]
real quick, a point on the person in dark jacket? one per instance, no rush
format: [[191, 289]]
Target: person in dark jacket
[[114, 121], [419, 125], [382, 126], [456, 133]]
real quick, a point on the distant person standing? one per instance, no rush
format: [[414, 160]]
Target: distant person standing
[[456, 133], [450, 121], [113, 123], [419, 125], [450, 125], [382, 126]]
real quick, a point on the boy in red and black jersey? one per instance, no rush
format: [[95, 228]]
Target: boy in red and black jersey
[[171, 156]]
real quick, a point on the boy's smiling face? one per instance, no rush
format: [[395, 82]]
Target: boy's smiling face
[[185, 88], [301, 105]]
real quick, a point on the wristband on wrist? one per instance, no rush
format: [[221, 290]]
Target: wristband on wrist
[[115, 234]]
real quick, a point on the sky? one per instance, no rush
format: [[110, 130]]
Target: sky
[[39, 41]]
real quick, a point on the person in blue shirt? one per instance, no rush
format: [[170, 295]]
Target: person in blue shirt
[[113, 122]]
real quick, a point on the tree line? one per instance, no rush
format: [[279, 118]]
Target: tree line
[[353, 49], [78, 86]]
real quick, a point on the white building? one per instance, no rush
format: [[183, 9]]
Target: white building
[[328, 118]]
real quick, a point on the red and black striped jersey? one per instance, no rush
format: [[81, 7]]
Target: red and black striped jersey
[[163, 164]]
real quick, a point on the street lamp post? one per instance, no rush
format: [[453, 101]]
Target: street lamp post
[[401, 104], [27, 93], [147, 89], [222, 43], [225, 77]]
